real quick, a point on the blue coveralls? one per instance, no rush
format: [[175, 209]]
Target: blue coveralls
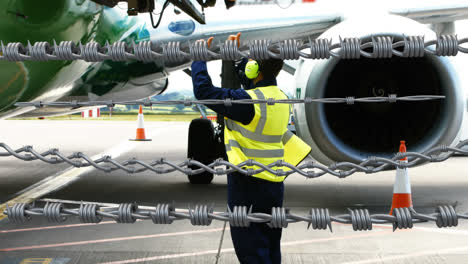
[[258, 243]]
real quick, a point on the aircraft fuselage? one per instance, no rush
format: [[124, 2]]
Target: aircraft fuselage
[[77, 21]]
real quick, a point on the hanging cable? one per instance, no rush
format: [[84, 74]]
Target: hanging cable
[[289, 4], [166, 4]]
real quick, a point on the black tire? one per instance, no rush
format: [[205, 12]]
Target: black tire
[[201, 147]]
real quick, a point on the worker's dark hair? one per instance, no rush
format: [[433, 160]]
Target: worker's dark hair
[[270, 68]]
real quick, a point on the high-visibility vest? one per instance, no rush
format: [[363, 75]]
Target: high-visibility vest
[[262, 139], [295, 149]]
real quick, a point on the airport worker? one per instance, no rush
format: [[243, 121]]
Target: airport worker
[[253, 132]]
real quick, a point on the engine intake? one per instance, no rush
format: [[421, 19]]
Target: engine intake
[[340, 132]]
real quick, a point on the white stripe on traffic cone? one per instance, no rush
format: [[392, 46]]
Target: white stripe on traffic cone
[[140, 132], [402, 187]]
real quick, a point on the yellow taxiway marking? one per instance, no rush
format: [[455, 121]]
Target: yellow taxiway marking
[[37, 261], [67, 176]]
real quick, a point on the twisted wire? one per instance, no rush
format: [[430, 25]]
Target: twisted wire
[[17, 212], [404, 218], [173, 53], [67, 50], [125, 213], [259, 49], [203, 215], [391, 98], [238, 217], [162, 214], [319, 49], [381, 46], [14, 52], [289, 50], [41, 51], [360, 219], [414, 47], [52, 212], [119, 51], [320, 219], [278, 217], [447, 216], [93, 52], [192, 167], [199, 51], [229, 51], [87, 213], [143, 52], [350, 48], [447, 45], [199, 216]]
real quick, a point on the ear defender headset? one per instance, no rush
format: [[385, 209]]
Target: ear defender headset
[[252, 69]]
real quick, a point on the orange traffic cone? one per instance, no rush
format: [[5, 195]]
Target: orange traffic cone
[[402, 188], [140, 132]]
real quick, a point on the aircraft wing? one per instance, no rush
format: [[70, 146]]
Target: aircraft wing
[[274, 29], [260, 22], [298, 22], [448, 12]]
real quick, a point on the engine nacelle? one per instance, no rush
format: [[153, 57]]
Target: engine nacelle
[[340, 132]]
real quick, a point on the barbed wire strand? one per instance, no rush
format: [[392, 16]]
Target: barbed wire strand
[[239, 216], [391, 98], [378, 47], [308, 169]]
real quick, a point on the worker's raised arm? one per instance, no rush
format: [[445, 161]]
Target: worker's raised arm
[[203, 88]]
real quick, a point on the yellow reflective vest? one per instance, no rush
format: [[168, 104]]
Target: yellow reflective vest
[[295, 149], [264, 139]]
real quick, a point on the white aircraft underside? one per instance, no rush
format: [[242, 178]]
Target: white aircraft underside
[[341, 132]]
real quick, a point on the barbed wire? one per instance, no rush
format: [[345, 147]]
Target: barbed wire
[[261, 49], [391, 98], [239, 216], [307, 169]]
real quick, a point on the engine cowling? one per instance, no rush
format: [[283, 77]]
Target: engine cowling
[[340, 132]]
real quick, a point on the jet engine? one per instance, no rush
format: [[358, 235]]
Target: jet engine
[[341, 132]]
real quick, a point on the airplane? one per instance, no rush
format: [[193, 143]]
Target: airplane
[[336, 132]]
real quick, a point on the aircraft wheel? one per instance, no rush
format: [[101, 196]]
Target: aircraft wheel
[[201, 147]]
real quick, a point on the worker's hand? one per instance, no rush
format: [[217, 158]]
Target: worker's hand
[[231, 37], [210, 39], [235, 37]]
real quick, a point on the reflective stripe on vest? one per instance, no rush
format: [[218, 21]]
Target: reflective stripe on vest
[[295, 149], [287, 136], [252, 135], [257, 153], [257, 135]]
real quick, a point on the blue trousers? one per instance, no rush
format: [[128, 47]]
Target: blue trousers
[[257, 243]]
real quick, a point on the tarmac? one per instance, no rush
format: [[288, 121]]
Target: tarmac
[[39, 241]]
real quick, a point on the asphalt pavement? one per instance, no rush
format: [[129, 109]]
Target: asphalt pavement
[[39, 241]]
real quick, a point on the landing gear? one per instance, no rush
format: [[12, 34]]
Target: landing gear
[[201, 146], [206, 142]]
